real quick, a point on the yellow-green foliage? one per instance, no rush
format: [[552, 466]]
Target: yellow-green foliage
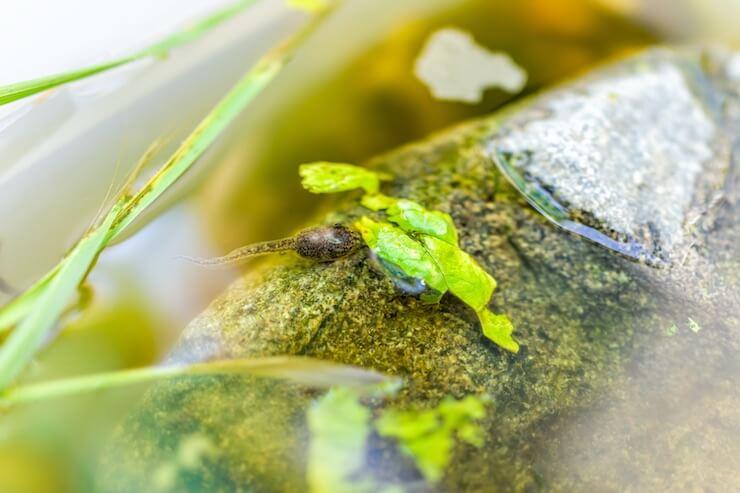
[[339, 427], [428, 435], [421, 243]]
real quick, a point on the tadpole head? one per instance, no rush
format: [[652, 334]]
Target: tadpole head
[[327, 243]]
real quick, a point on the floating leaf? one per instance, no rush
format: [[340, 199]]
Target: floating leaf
[[326, 177], [428, 435], [498, 328], [339, 427], [394, 246], [464, 277]]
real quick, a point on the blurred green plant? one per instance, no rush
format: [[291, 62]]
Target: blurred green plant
[[160, 49], [428, 435], [302, 370], [37, 310], [340, 426], [421, 243]]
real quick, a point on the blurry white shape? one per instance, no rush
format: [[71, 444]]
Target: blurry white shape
[[49, 37], [455, 68], [148, 263], [733, 67]]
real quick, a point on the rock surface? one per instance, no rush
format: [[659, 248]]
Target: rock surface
[[600, 398]]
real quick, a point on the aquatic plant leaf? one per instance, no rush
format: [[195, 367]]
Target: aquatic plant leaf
[[377, 201], [464, 277], [394, 246], [498, 328], [339, 427], [428, 435], [37, 318], [414, 218], [326, 177], [20, 90], [302, 370]]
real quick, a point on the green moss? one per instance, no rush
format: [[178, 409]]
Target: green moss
[[584, 319]]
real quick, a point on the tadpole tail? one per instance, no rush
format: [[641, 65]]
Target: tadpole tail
[[243, 253]]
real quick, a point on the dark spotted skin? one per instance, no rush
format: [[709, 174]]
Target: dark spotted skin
[[326, 243]]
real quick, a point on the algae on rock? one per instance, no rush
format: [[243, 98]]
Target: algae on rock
[[598, 398]]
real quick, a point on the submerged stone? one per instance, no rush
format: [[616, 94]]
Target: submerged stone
[[599, 398]]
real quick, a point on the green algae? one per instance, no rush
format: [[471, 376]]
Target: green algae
[[592, 402], [346, 312]]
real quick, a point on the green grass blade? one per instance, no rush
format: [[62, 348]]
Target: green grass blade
[[49, 304], [20, 90], [39, 311], [18, 308], [211, 128], [306, 371]]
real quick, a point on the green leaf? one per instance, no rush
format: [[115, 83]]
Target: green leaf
[[377, 201], [394, 246], [463, 276], [428, 435], [20, 90], [498, 328], [339, 427], [326, 177], [414, 218], [306, 371]]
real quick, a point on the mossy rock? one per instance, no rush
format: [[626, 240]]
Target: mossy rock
[[601, 397]]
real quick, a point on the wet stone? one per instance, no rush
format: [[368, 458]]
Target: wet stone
[[620, 156], [605, 394]]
